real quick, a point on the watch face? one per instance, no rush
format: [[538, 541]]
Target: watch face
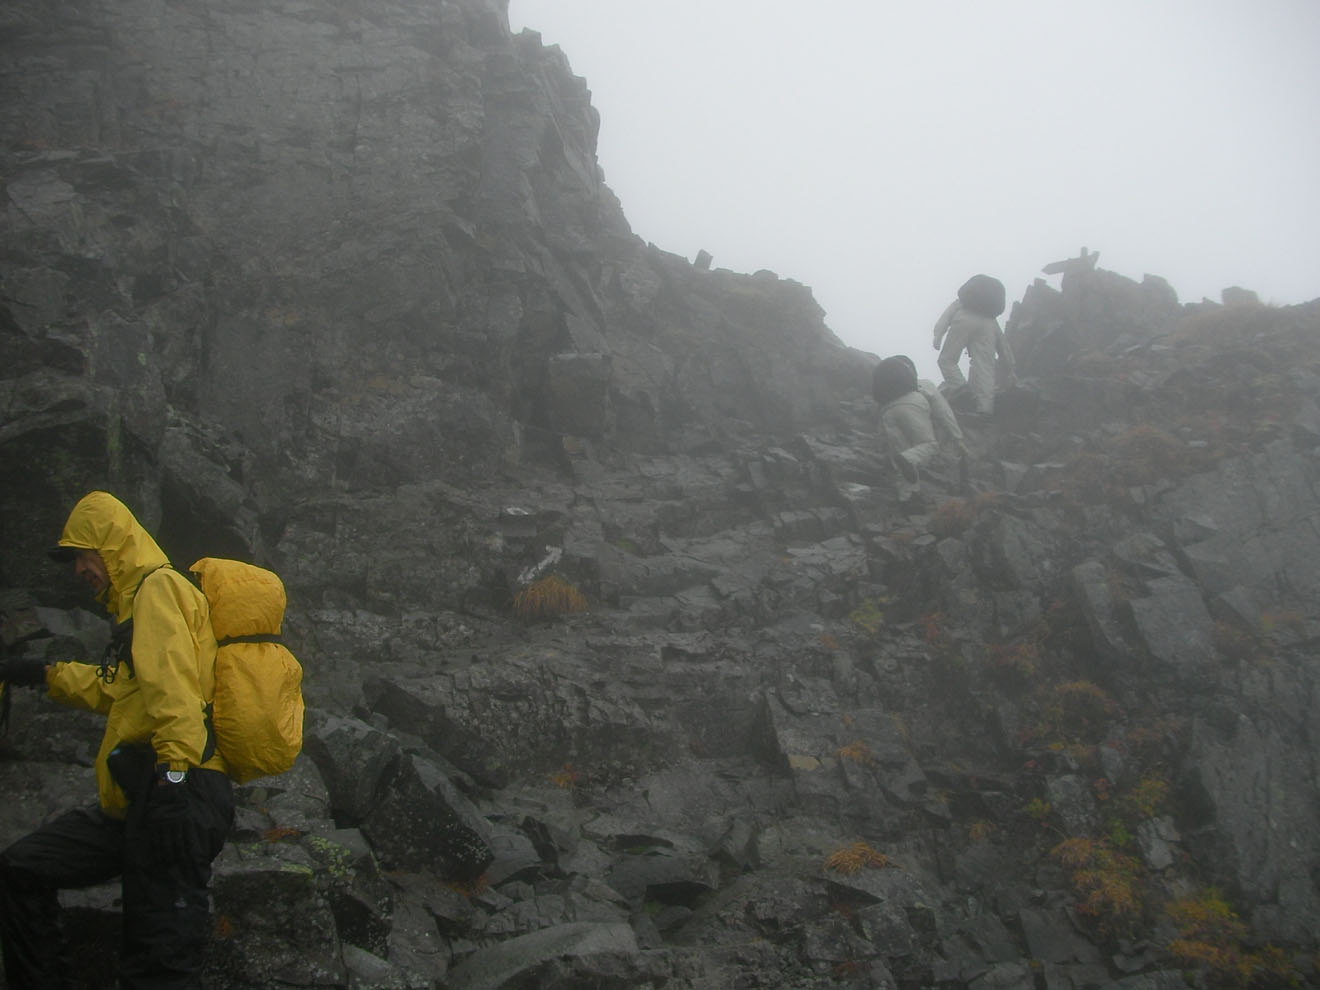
[[176, 776]]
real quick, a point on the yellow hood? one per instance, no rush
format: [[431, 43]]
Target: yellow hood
[[103, 523]]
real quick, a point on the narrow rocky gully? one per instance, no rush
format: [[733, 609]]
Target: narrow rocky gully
[[763, 713]]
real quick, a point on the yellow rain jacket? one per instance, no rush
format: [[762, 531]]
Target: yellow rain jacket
[[163, 699]]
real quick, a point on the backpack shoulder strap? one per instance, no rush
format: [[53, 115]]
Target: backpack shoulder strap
[[120, 648]]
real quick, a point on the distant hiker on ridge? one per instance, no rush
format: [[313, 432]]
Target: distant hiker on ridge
[[971, 324], [913, 415]]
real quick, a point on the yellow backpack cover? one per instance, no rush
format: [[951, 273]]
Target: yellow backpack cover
[[257, 712]]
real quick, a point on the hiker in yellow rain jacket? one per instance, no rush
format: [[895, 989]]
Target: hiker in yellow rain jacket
[[165, 801]]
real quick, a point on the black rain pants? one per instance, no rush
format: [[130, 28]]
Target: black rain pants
[[166, 906]]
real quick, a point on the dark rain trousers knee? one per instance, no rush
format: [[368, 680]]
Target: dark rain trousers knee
[[165, 902]]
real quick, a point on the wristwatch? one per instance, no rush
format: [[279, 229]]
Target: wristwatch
[[167, 776]]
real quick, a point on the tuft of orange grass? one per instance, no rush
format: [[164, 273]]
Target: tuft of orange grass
[[858, 856], [547, 598]]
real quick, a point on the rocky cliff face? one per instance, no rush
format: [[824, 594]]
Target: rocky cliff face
[[340, 288]]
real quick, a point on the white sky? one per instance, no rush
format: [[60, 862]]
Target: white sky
[[881, 152]]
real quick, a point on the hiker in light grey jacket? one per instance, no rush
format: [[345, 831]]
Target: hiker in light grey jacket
[[915, 420], [960, 329]]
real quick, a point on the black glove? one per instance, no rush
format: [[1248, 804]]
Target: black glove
[[169, 821], [23, 673]]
